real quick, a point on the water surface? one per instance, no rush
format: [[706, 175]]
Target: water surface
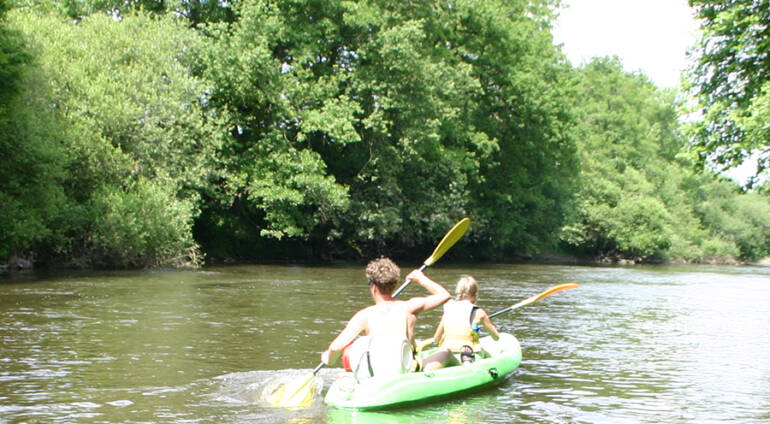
[[632, 344]]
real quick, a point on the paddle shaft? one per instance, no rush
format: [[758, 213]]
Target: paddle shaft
[[508, 309], [406, 283]]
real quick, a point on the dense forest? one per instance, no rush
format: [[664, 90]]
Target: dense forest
[[148, 133]]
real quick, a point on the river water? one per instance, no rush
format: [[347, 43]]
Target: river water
[[673, 344]]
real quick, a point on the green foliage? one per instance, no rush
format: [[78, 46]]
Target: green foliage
[[637, 198], [143, 225], [35, 209], [194, 11], [419, 114], [32, 201], [126, 108], [13, 57], [740, 218], [627, 129], [288, 190], [295, 195], [140, 98], [336, 128], [729, 82]]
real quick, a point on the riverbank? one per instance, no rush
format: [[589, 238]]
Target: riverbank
[[567, 259], [22, 265]]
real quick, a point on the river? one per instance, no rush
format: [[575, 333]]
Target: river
[[640, 344]]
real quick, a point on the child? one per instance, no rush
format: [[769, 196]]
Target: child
[[458, 331]]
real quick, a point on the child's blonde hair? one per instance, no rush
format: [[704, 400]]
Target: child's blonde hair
[[466, 287]]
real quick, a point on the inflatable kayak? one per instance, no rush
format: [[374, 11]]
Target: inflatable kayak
[[500, 359]]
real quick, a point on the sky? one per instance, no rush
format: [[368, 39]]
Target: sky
[[651, 36]]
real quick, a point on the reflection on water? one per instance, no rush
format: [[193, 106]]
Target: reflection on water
[[636, 345], [471, 409]]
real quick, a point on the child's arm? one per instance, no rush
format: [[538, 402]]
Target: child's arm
[[488, 323]]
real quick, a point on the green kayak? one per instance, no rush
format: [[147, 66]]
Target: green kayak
[[502, 358]]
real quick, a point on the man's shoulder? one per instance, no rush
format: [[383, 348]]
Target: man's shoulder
[[415, 302]]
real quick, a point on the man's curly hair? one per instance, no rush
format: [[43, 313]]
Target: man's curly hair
[[383, 273]]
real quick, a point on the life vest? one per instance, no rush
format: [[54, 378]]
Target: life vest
[[458, 325], [386, 349]]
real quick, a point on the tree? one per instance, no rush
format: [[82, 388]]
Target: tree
[[731, 83], [136, 142], [32, 200], [739, 218], [13, 58], [638, 197], [627, 145], [404, 117], [196, 12]]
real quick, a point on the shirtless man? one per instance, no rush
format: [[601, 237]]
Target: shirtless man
[[387, 319]]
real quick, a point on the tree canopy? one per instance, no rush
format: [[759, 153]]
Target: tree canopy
[[730, 83], [638, 197], [396, 119], [142, 133]]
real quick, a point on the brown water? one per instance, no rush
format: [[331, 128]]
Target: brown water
[[683, 344]]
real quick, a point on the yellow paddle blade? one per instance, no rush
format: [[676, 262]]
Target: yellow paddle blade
[[295, 394], [536, 297], [454, 234], [274, 399], [553, 290]]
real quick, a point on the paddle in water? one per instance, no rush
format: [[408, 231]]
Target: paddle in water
[[287, 397]]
